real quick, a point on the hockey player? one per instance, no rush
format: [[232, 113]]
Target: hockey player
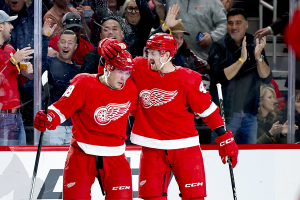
[[99, 106], [164, 123]]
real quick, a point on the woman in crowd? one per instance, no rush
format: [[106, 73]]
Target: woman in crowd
[[269, 130]]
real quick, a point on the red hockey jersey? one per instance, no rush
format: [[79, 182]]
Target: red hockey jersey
[[164, 119], [99, 114]]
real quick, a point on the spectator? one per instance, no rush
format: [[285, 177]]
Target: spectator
[[238, 62], [138, 16], [102, 12], [227, 4], [183, 54], [111, 29], [269, 130], [282, 115], [72, 21], [11, 125], [131, 12], [206, 16], [57, 12], [61, 70]]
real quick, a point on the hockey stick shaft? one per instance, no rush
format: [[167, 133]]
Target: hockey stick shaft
[[37, 158], [219, 88]]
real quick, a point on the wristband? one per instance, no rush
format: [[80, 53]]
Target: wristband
[[14, 60], [167, 28], [241, 60]]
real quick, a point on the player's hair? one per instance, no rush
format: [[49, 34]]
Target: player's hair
[[69, 32], [110, 18], [237, 11]]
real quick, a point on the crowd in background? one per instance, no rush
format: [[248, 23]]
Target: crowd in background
[[210, 40]]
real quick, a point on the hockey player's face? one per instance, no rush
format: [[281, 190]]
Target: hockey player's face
[[236, 27], [154, 58], [67, 46], [118, 77]]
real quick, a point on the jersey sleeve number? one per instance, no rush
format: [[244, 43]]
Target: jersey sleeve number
[[69, 91], [202, 88]]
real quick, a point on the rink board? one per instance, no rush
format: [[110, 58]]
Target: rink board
[[264, 172]]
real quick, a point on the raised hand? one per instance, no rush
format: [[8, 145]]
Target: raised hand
[[23, 54], [47, 29], [171, 20], [244, 50], [259, 47]]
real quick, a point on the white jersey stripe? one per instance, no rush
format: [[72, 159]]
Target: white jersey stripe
[[209, 110], [164, 144], [102, 150], [62, 117]]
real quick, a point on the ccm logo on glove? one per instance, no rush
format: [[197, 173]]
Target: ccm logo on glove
[[226, 142]]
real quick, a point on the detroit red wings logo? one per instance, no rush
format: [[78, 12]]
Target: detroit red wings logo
[[156, 97], [105, 114]]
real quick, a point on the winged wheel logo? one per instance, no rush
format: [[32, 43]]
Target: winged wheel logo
[[156, 97], [105, 114]]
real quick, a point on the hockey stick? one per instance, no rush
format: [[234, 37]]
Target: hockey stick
[[219, 87], [37, 158]]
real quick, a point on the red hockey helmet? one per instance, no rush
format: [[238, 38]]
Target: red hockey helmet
[[163, 42], [122, 61]]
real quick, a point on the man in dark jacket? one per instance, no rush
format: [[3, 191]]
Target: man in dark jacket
[[238, 62], [61, 70]]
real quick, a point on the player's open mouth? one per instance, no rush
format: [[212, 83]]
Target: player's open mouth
[[152, 62], [112, 37], [66, 52]]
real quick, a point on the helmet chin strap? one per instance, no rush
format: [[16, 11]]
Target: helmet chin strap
[[163, 63], [105, 80]]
